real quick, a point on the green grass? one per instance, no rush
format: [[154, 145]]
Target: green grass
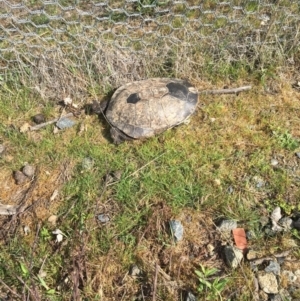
[[186, 171]]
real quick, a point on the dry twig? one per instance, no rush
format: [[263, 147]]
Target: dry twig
[[227, 91]]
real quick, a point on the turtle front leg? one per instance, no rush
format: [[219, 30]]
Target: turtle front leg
[[118, 137]]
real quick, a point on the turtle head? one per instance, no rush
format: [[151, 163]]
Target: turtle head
[[99, 107]]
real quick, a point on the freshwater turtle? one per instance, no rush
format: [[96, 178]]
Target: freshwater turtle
[[148, 107]]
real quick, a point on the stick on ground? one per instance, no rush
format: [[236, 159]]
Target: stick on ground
[[227, 91]]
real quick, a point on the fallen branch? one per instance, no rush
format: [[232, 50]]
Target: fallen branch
[[39, 126], [227, 91]]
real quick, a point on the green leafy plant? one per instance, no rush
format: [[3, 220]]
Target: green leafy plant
[[286, 140], [209, 285]]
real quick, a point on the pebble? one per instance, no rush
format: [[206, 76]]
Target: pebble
[[134, 271], [211, 250], [250, 234], [53, 219], [64, 123], [39, 118], [190, 297], [268, 282], [19, 177], [103, 218], [26, 230], [230, 189], [274, 162], [273, 267], [28, 170], [176, 229], [276, 214], [298, 155], [286, 223], [259, 182], [251, 255], [227, 225], [233, 256]]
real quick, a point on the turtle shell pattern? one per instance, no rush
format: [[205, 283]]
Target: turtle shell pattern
[[148, 107]]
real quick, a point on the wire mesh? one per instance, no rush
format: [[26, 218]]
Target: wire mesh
[[121, 40]]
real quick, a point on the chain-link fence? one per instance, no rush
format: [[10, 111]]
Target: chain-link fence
[[75, 46]]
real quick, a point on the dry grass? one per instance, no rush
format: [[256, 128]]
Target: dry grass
[[183, 174]]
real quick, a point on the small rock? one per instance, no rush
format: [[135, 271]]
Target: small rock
[[64, 123], [39, 118], [276, 214], [2, 149], [59, 235], [233, 256], [268, 282], [134, 271], [87, 163], [230, 189], [211, 250], [54, 195], [227, 225], [250, 234], [218, 182], [26, 230], [176, 229], [274, 162], [103, 218], [67, 101], [297, 155], [19, 177], [55, 130], [251, 255], [286, 223], [273, 267], [276, 227], [28, 170], [289, 275], [189, 297], [52, 220], [25, 127], [259, 182], [42, 273]]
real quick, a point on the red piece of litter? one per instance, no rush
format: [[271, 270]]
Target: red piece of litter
[[240, 239]]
